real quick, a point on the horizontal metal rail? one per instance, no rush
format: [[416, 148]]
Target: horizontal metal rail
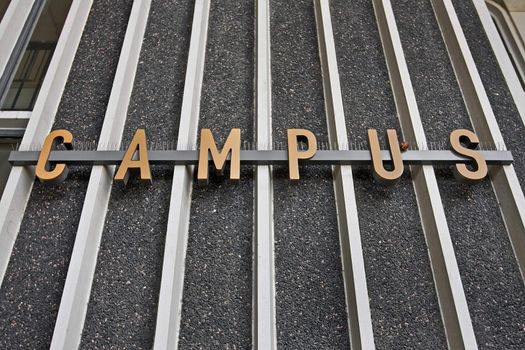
[[191, 157], [16, 133]]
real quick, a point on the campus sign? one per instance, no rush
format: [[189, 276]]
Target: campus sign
[[469, 163]]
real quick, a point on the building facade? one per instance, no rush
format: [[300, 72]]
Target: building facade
[[334, 260]]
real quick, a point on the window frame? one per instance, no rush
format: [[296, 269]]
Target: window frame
[[13, 34], [510, 37]]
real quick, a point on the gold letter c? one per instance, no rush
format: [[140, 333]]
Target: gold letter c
[[59, 173]]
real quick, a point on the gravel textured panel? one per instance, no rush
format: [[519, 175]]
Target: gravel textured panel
[[494, 290], [217, 299], [509, 120], [511, 311], [311, 311], [405, 311], [123, 305], [32, 288]]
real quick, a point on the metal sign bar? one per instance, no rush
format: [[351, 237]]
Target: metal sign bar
[[172, 157]]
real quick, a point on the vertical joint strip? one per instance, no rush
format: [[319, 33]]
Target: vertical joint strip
[[172, 281], [264, 320], [452, 299], [356, 292], [75, 297], [504, 180]]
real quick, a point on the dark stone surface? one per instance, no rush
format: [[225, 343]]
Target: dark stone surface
[[506, 326], [490, 275], [405, 311], [509, 120], [311, 311], [217, 299], [123, 305], [439, 98], [217, 305], [32, 288]]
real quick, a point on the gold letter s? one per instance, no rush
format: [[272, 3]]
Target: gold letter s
[[461, 172]]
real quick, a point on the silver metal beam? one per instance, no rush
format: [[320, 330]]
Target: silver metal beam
[[447, 279], [21, 179], [504, 180], [356, 292], [264, 325], [77, 288], [172, 282]]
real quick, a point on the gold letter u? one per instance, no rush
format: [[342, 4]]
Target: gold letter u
[[380, 173]]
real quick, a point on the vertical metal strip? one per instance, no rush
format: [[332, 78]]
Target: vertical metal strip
[[75, 297], [264, 325], [504, 180], [172, 282], [356, 292], [15, 29], [500, 52], [21, 179], [447, 279]]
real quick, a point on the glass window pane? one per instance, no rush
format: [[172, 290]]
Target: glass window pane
[[22, 93], [4, 4]]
